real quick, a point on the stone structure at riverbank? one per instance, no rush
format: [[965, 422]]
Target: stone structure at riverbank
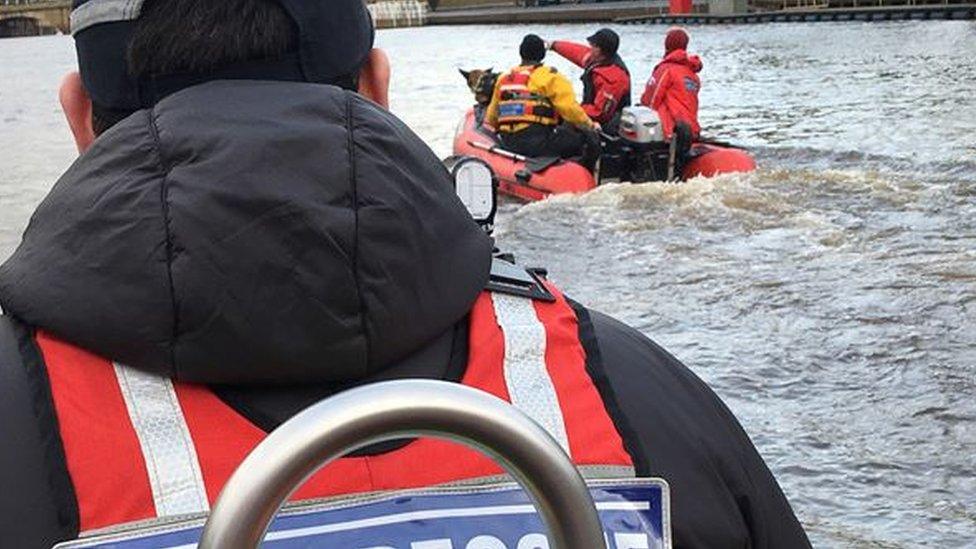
[[34, 17], [398, 13]]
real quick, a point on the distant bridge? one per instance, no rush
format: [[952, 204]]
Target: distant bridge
[[33, 17]]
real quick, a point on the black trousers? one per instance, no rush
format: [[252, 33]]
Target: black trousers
[[563, 141]]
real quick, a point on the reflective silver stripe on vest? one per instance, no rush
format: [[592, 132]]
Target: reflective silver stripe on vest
[[171, 458], [526, 376]]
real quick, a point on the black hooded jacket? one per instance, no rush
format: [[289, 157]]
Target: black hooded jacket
[[280, 242]]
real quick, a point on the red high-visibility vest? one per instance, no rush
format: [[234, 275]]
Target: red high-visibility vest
[[140, 447]]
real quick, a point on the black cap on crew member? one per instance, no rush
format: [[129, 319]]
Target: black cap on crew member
[[607, 40], [533, 49], [334, 40]]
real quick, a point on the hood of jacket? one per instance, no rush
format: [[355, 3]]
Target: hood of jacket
[[681, 57], [251, 233]]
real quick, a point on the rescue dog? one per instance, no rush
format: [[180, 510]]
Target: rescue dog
[[481, 82]]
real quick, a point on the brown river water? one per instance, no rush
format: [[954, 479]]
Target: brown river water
[[829, 298]]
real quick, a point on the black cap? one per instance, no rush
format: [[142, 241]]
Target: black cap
[[533, 48], [605, 39], [334, 40]]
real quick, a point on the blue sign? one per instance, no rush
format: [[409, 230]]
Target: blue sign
[[635, 515], [511, 109]]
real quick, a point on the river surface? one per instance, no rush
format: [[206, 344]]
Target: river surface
[[829, 298]]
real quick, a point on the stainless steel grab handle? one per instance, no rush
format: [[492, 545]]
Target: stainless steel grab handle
[[393, 410]]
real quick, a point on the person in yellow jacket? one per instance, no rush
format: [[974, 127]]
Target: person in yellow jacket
[[535, 112]]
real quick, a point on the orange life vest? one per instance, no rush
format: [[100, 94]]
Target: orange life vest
[[518, 104], [141, 447]]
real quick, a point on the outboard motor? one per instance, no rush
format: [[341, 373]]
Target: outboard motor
[[640, 125], [639, 153]]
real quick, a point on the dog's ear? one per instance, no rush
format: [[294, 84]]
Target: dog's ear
[[491, 70], [464, 73]]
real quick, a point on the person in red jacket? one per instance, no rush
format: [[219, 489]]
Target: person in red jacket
[[672, 90], [606, 80]]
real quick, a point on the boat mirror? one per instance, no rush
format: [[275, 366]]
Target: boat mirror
[[476, 186]]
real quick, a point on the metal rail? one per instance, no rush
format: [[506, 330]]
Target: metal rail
[[396, 410]]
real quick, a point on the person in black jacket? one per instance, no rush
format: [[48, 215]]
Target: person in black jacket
[[241, 217]]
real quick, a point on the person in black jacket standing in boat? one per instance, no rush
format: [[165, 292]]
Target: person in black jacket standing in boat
[[248, 231], [606, 80]]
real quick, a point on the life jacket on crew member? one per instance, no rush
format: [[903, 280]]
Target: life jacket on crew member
[[606, 87], [140, 446], [520, 104]]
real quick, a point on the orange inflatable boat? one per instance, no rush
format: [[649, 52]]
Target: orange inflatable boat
[[536, 178]]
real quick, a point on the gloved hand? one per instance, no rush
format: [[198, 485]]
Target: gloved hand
[[548, 44]]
